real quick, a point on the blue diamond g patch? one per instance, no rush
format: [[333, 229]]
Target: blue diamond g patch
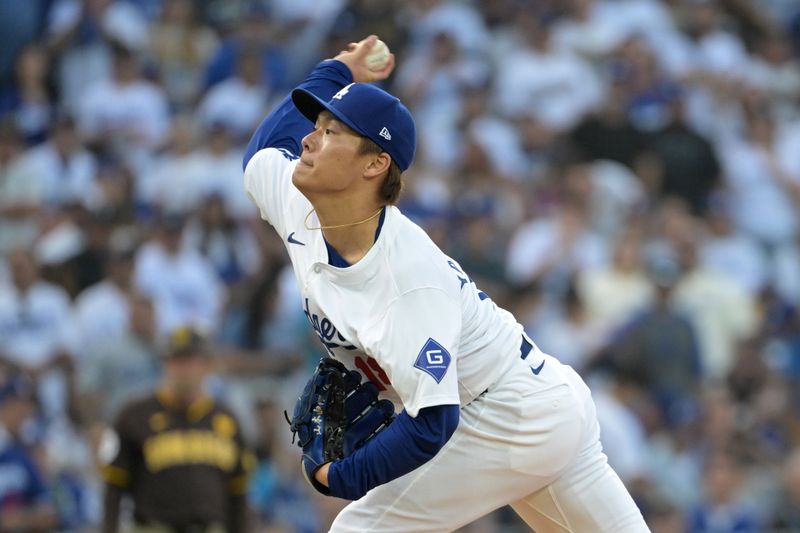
[[433, 359]]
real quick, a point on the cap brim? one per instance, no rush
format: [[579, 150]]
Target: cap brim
[[311, 106], [199, 352]]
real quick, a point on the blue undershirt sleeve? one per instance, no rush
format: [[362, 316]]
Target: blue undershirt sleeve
[[285, 126], [406, 444]]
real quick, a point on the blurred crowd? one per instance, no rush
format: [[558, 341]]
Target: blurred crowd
[[623, 175]]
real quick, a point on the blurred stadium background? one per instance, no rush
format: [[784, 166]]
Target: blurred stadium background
[[623, 175]]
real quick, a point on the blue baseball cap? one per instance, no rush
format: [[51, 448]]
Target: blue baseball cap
[[371, 112]]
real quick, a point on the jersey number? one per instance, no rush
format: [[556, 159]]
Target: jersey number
[[464, 279], [373, 372]]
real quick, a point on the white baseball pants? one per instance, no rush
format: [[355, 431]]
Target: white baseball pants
[[531, 441]]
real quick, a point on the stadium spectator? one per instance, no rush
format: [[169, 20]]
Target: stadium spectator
[[120, 365], [69, 468], [63, 169], [722, 313], [255, 32], [607, 192], [265, 316], [119, 205], [538, 79], [608, 132], [713, 49], [432, 78], [36, 331], [659, 347], [587, 30], [722, 508], [569, 332], [686, 164], [26, 504], [786, 273], [82, 35], [224, 241], [496, 136], [102, 311], [125, 115], [278, 498], [184, 176], [218, 171], [183, 285], [624, 433], [613, 295], [180, 45], [21, 196], [238, 101], [29, 100], [475, 244], [462, 21], [731, 252], [787, 516], [20, 24], [553, 248], [169, 184], [773, 71], [760, 184]]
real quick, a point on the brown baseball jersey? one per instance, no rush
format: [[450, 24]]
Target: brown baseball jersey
[[182, 466]]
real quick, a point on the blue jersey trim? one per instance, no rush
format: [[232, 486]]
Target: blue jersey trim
[[335, 259], [380, 223], [406, 444]]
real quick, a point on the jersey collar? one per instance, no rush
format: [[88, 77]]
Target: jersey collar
[[194, 411], [367, 266], [335, 259]]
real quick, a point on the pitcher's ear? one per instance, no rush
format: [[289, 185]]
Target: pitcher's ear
[[378, 165]]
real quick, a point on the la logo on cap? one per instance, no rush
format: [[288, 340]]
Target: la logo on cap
[[342, 92], [385, 134]]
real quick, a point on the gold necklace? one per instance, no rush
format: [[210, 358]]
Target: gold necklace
[[336, 226]]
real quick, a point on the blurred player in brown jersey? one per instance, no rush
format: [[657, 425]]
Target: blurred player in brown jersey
[[177, 453]]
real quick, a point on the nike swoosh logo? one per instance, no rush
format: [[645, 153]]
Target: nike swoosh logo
[[292, 240], [537, 369]]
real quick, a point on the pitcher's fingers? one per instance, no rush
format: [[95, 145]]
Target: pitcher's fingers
[[364, 46], [385, 71]]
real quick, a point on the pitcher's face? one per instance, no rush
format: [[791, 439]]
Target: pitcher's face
[[331, 160]]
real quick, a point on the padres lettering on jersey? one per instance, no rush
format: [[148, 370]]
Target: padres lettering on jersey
[[179, 448], [158, 447]]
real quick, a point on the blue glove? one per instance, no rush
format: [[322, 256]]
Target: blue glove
[[335, 415]]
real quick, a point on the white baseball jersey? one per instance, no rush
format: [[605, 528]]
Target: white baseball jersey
[[412, 322], [405, 316]]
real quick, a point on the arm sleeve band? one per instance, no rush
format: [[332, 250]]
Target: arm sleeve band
[[403, 446]]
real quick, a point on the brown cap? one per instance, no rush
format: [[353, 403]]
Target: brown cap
[[187, 341]]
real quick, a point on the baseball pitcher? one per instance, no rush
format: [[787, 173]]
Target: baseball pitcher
[[432, 407]]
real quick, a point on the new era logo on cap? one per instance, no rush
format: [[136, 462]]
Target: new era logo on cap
[[369, 111]]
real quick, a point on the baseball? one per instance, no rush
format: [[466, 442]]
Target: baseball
[[378, 57]]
